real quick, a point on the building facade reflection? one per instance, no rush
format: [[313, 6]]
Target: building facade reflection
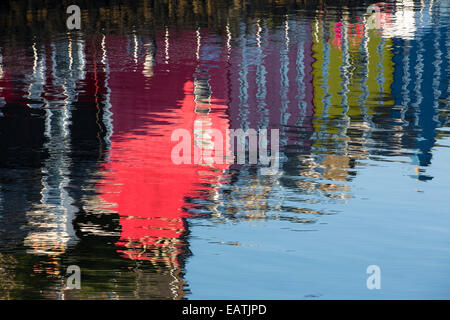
[[86, 122]]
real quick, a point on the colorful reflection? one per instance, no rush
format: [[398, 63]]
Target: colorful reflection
[[87, 117], [148, 189]]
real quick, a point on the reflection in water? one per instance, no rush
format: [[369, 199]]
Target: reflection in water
[[86, 174]]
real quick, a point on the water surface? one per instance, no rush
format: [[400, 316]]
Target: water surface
[[87, 178]]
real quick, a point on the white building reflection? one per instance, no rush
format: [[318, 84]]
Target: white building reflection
[[52, 221]]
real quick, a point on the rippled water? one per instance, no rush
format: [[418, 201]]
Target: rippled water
[[87, 178]]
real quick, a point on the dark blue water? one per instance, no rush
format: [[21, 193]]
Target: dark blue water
[[86, 176]]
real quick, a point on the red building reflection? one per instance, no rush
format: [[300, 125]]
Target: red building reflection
[[156, 89]]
